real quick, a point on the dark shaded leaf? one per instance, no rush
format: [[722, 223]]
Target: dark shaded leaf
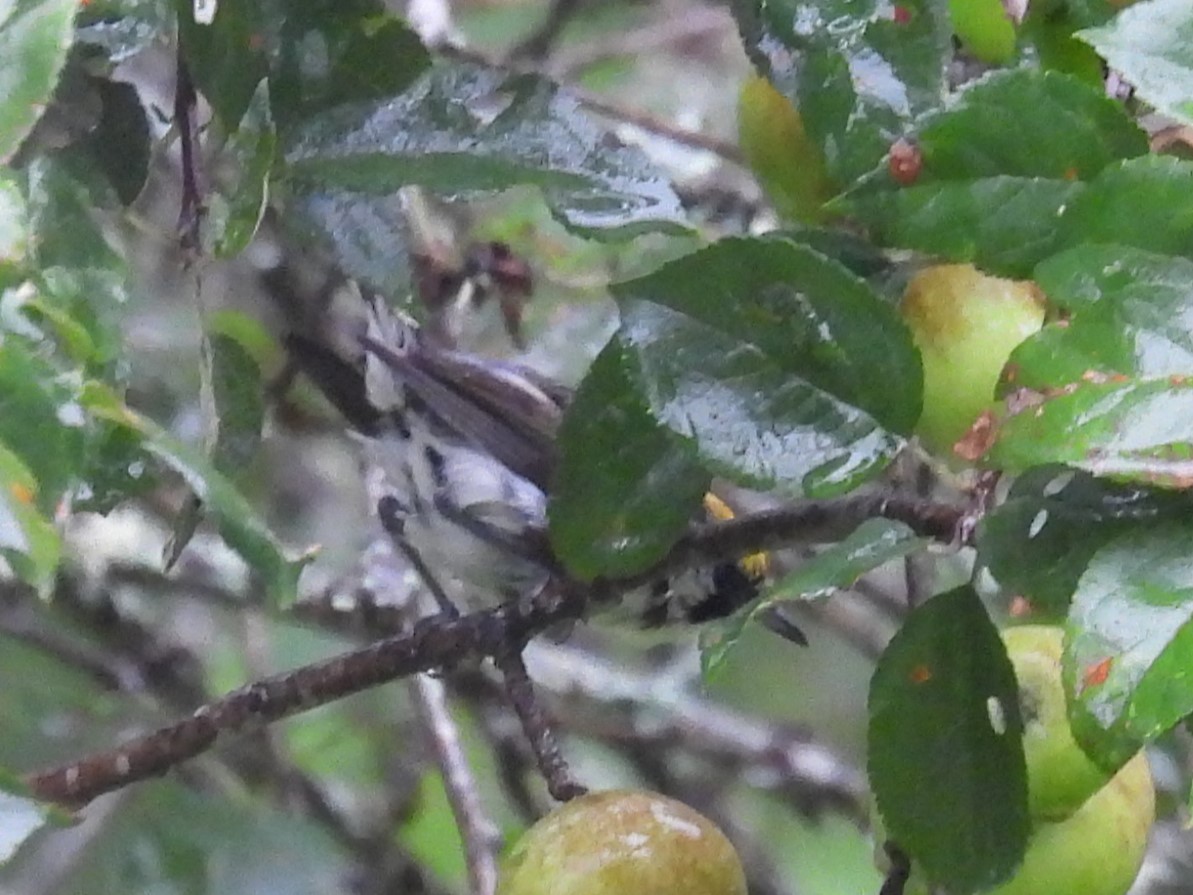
[[34, 39], [859, 72], [1145, 202], [1151, 45], [1004, 225], [945, 752], [874, 543], [465, 130], [366, 53], [1028, 123], [226, 58], [1129, 643], [1040, 540], [783, 368], [626, 488], [120, 143]]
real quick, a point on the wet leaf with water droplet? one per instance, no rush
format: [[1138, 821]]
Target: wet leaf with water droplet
[[1129, 643], [1128, 312], [466, 130], [1130, 430], [859, 72], [781, 367]]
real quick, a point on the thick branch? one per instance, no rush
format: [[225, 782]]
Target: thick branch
[[432, 644], [439, 643]]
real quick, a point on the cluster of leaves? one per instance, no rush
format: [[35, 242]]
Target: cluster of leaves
[[777, 362]]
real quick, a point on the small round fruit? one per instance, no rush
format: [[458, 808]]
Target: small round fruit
[[788, 164], [1060, 776], [623, 841], [966, 324]]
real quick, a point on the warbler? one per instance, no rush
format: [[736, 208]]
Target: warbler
[[468, 448]]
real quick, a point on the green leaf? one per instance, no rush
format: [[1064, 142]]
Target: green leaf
[[1129, 643], [626, 488], [239, 525], [874, 543], [80, 273], [236, 33], [35, 36], [351, 37], [1075, 130], [1151, 45], [14, 226], [41, 421], [859, 71], [1133, 430], [1004, 225], [1127, 312], [945, 754], [1144, 202], [28, 541], [1040, 540], [232, 381], [463, 129], [238, 204], [782, 368], [316, 54]]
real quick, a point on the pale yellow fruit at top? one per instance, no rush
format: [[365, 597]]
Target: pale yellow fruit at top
[[623, 842]]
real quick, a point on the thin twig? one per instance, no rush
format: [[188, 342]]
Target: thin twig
[[478, 833], [539, 730]]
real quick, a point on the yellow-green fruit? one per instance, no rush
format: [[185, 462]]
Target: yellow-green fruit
[[1098, 849], [984, 29], [788, 165], [1060, 776], [1095, 851], [623, 842], [966, 324]]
